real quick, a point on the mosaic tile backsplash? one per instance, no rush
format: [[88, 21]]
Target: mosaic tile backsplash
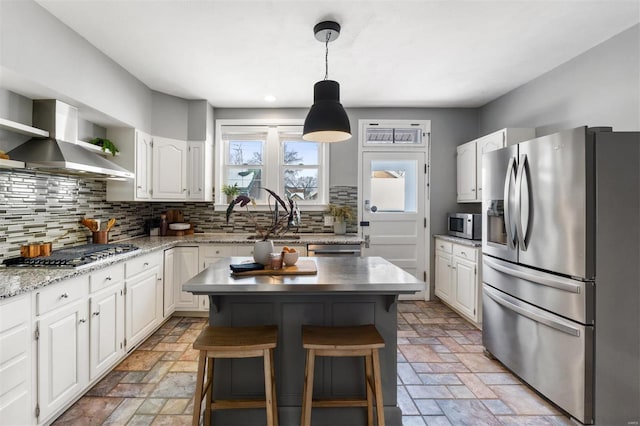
[[41, 207]]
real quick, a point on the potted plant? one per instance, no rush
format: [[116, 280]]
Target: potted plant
[[283, 216], [341, 215], [106, 145], [231, 191]]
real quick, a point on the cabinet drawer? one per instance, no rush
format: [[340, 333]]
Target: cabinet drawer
[[105, 277], [61, 294], [220, 251], [143, 263], [444, 246], [465, 252]]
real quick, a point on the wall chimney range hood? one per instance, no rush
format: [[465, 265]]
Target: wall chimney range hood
[[60, 153]]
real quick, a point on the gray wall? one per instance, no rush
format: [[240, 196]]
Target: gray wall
[[41, 52], [170, 117], [601, 87]]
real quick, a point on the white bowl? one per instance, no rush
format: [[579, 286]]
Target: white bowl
[[290, 259], [179, 226]]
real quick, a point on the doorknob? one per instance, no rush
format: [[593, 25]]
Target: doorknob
[[374, 209]]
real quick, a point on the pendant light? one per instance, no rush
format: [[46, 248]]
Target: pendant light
[[327, 120]]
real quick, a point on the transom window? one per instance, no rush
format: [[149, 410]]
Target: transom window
[[274, 157]]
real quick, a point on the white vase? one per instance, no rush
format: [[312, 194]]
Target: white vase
[[339, 227], [262, 250]]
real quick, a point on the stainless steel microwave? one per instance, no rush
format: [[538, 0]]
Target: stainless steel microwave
[[465, 225]]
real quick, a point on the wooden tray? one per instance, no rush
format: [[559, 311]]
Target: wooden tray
[[302, 267]]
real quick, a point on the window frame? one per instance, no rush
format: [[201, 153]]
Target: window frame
[[273, 160]]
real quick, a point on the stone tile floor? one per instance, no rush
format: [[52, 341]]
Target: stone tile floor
[[443, 378]]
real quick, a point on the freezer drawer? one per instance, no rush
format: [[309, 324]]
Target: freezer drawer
[[569, 298], [552, 354]]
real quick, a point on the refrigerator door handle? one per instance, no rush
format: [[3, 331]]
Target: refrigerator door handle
[[518, 213], [558, 283], [507, 212], [521, 309]]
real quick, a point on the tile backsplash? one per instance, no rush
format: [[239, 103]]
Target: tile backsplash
[[37, 206]]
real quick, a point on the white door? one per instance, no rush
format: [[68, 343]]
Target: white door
[[169, 293], [107, 329], [144, 144], [393, 214], [185, 267], [169, 168], [466, 171], [464, 279], [196, 170], [444, 287], [140, 306]]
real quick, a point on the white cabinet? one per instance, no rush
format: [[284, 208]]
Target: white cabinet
[[169, 302], [143, 297], [106, 316], [458, 278], [185, 266], [62, 330], [169, 169], [199, 171], [16, 387], [469, 160], [143, 183]]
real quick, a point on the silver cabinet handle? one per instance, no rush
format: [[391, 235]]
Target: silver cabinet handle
[[108, 278], [453, 267], [463, 253], [83, 320], [139, 187], [184, 189], [64, 295], [95, 314], [146, 264], [473, 190], [441, 246]]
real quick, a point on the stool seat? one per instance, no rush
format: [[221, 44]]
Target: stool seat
[[235, 342], [349, 341]]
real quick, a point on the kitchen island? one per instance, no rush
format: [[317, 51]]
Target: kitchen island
[[345, 291]]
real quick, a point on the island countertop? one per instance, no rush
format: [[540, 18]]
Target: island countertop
[[368, 275]]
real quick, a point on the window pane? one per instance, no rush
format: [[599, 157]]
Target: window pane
[[394, 185], [301, 184], [249, 180], [300, 153], [244, 152]]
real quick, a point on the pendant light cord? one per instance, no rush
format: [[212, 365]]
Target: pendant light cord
[[326, 56]]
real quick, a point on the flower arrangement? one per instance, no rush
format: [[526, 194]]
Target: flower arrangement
[[284, 215], [231, 191], [340, 213]]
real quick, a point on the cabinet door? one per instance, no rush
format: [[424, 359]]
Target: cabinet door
[[16, 361], [143, 165], [168, 290], [464, 278], [185, 266], [444, 287], [141, 304], [107, 329], [486, 144], [63, 359], [466, 163], [196, 175], [169, 169]]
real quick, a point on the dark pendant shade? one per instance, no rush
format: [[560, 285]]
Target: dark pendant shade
[[327, 120]]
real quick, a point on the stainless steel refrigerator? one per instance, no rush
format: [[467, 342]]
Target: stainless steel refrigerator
[[561, 274]]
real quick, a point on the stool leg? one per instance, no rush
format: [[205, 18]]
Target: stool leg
[[378, 387], [307, 394], [197, 398], [273, 389], [369, 384], [268, 388], [209, 392]]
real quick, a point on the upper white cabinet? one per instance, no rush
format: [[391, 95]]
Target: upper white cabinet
[[469, 160], [165, 169], [169, 169]]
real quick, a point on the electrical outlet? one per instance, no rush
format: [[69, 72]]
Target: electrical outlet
[[328, 221]]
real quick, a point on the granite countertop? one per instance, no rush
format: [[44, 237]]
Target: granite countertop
[[370, 275], [461, 241], [15, 281]]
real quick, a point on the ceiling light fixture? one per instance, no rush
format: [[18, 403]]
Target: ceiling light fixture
[[327, 120]]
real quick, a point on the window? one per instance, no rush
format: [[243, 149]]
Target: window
[[271, 156]]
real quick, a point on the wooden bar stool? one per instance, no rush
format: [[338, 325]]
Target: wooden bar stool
[[235, 342], [361, 340]]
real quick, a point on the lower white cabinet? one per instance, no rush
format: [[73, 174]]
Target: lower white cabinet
[[106, 334], [143, 297], [16, 357], [185, 266], [169, 302], [62, 330], [458, 279]]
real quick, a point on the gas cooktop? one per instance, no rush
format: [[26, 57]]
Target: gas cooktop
[[72, 257]]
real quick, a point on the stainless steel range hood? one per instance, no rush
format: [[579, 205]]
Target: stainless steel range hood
[[59, 152]]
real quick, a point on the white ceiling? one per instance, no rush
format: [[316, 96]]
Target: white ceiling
[[397, 53]]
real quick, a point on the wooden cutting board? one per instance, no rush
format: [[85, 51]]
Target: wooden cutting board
[[302, 267]]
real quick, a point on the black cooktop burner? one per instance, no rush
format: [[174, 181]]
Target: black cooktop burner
[[72, 257]]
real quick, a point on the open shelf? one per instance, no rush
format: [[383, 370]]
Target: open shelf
[[11, 164], [95, 148], [23, 129]]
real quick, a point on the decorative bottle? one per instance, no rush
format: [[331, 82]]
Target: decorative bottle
[[164, 225]]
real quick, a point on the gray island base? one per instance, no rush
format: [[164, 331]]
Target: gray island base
[[346, 291]]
